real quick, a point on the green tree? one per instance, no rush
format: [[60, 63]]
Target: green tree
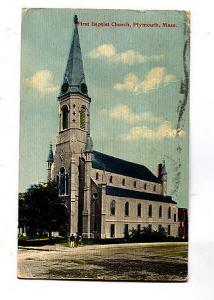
[[148, 235], [41, 210]]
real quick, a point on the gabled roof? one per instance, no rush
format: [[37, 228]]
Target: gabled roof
[[115, 191], [119, 166], [74, 76]]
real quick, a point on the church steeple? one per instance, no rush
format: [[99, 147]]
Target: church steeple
[[162, 175], [74, 78], [50, 161]]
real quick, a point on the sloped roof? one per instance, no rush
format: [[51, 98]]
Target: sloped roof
[[119, 166], [115, 191]]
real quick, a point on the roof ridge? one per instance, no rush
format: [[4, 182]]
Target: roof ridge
[[122, 159], [121, 192]]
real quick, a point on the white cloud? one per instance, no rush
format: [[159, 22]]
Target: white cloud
[[150, 117], [123, 112], [155, 78], [106, 50], [165, 130], [42, 81], [109, 52]]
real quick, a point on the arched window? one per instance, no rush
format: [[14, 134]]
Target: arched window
[[145, 186], [159, 228], [111, 179], [160, 212], [82, 118], [123, 182], [65, 114], [112, 207], [150, 211], [175, 218], [126, 208], [169, 213], [97, 176], [135, 184], [62, 180], [139, 210]]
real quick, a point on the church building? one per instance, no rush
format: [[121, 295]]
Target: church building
[[106, 196]]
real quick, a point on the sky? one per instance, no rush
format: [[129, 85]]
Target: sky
[[133, 76]]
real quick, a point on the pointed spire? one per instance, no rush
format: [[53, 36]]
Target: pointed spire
[[50, 155], [74, 78], [163, 171]]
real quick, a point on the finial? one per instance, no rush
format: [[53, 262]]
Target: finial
[[75, 19]]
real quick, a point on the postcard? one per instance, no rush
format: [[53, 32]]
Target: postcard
[[104, 141]]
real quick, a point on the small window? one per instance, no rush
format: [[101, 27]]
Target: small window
[[123, 182], [138, 227], [154, 188], [175, 218], [159, 228], [65, 113], [169, 229], [127, 209], [145, 186], [112, 207], [160, 212], [97, 176], [169, 213], [112, 230], [82, 118], [150, 227], [126, 230], [111, 179], [135, 184], [139, 210], [150, 211]]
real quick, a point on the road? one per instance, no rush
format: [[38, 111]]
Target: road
[[126, 262]]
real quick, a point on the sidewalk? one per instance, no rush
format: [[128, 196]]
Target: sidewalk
[[82, 248]]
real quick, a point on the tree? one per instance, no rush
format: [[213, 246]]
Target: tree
[[148, 235], [41, 210]]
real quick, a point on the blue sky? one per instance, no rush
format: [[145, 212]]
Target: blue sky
[[133, 77]]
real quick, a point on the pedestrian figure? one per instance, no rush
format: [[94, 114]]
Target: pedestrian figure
[[77, 238], [72, 239]]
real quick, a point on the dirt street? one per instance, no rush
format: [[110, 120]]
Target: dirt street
[[140, 262]]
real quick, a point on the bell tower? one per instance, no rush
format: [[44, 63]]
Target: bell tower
[[73, 132]]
